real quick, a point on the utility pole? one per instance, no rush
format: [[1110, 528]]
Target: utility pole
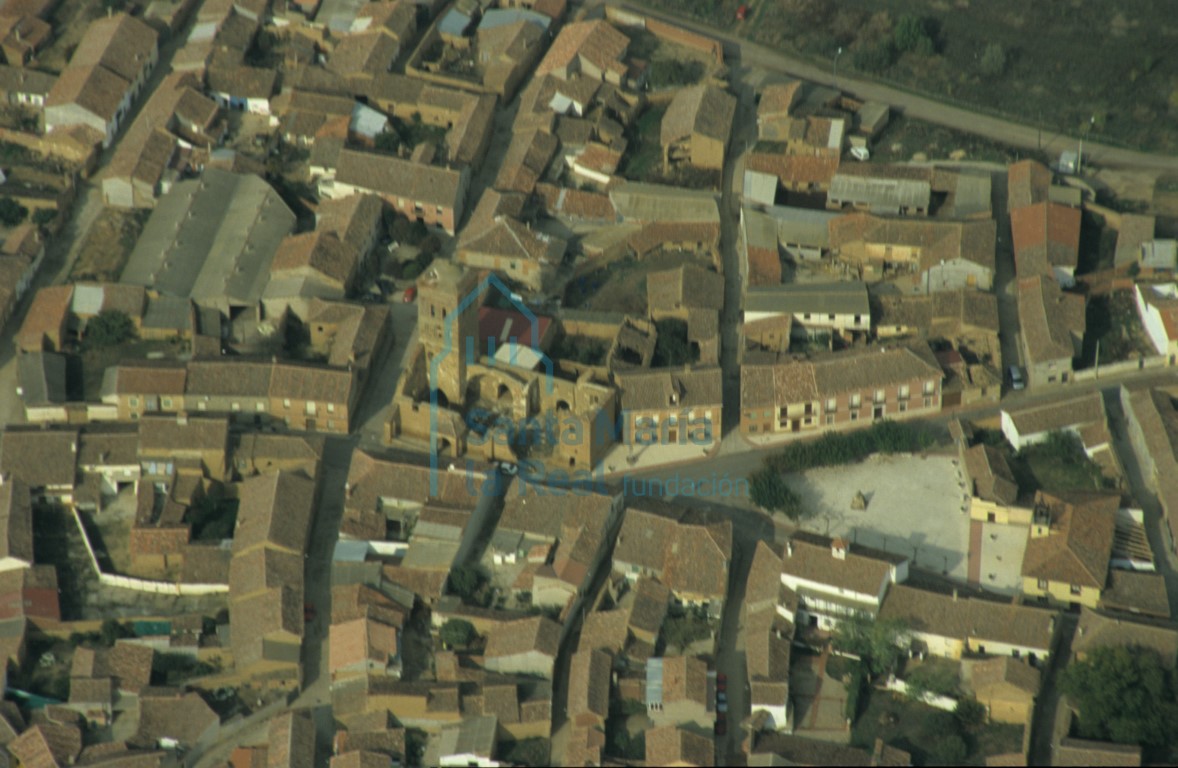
[[1080, 159], [834, 70]]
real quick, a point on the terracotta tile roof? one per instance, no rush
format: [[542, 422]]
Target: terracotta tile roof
[[688, 389], [597, 42], [685, 678], [275, 510], [292, 741], [691, 558], [779, 98], [170, 436], [386, 175], [16, 521], [991, 476], [318, 252], [365, 54], [1097, 629], [589, 684], [1136, 592], [1045, 235], [526, 159], [38, 457], [243, 82], [1004, 671], [1057, 416], [361, 641], [1051, 321], [795, 170], [768, 647], [763, 586], [262, 569], [537, 633], [371, 479], [312, 382], [360, 601], [352, 219], [528, 511], [278, 612], [936, 240], [864, 570], [604, 630], [672, 745], [1027, 184], [47, 745], [45, 317], [649, 606], [964, 618], [701, 109], [511, 239], [688, 286]]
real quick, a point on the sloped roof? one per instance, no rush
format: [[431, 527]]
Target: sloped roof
[[863, 570], [276, 509], [536, 633], [960, 618], [701, 109], [596, 41], [384, 174], [1049, 319], [1045, 235], [1097, 629]]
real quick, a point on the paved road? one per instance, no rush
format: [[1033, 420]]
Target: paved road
[[1047, 702], [997, 129]]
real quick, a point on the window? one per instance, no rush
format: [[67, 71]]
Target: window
[[830, 318], [928, 402], [903, 391], [167, 402], [134, 402], [331, 407], [286, 402], [879, 395], [806, 316], [202, 406], [235, 407], [830, 418], [768, 414], [832, 404], [854, 415], [260, 407], [930, 387], [858, 319], [856, 401], [752, 428], [903, 406], [1075, 590], [1042, 583]]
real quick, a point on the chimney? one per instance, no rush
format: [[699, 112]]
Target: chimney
[[182, 418], [955, 594], [838, 548], [789, 548]]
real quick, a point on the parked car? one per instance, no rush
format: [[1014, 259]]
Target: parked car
[[308, 612], [410, 294], [742, 12], [721, 681], [1016, 378], [721, 724]]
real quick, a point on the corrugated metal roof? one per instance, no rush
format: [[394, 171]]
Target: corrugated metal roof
[[654, 682]]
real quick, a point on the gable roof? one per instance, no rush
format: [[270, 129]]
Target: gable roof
[[686, 287], [671, 389], [690, 557], [589, 684], [1098, 629], [864, 570], [700, 109], [962, 618], [387, 175], [39, 458], [1072, 413], [1045, 235], [673, 745], [1027, 183], [119, 42], [276, 509], [535, 633], [597, 41], [1049, 319], [991, 475], [1003, 671]]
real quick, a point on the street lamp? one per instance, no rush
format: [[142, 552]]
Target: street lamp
[[834, 69], [1080, 159]]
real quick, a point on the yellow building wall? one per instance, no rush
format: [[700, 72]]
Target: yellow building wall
[[980, 510], [1061, 593]]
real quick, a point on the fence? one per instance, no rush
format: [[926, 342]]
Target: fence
[[933, 700], [1150, 363], [142, 585]]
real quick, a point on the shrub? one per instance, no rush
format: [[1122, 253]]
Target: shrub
[[43, 217], [457, 633], [993, 60], [833, 449], [875, 59], [855, 691], [769, 491], [109, 328], [948, 749], [912, 35], [970, 713], [12, 212], [466, 581], [1123, 695]]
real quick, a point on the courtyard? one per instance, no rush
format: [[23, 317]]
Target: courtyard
[[916, 506]]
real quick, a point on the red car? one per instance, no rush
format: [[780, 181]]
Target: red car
[[721, 682], [742, 13], [308, 613], [721, 724], [410, 294]]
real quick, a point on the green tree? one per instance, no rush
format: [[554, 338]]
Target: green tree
[[466, 580], [948, 749], [912, 36], [113, 630], [932, 677], [457, 633], [1124, 695], [970, 713], [43, 217], [12, 212], [993, 61], [879, 643], [769, 491], [671, 346], [109, 328]]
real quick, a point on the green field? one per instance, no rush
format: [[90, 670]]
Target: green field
[[1061, 63]]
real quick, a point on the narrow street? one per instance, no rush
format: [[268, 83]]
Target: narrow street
[[1047, 702]]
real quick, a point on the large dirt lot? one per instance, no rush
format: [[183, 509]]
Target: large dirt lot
[[916, 506]]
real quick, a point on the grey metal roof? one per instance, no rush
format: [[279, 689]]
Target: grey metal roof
[[848, 298], [760, 229], [42, 377], [802, 226], [338, 15], [661, 203], [168, 312], [1160, 254], [972, 194], [212, 239], [760, 187], [880, 193], [501, 17], [654, 681], [454, 23]]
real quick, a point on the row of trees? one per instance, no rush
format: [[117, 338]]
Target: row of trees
[[834, 449]]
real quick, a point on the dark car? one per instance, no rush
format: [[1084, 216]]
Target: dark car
[[721, 682], [721, 724]]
